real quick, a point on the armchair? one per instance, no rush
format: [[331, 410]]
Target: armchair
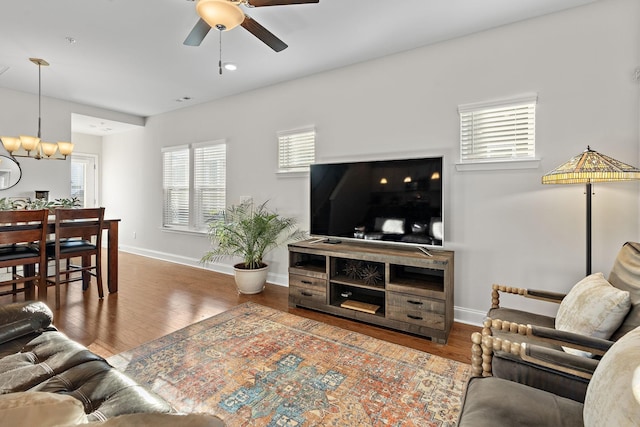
[[610, 311], [612, 397]]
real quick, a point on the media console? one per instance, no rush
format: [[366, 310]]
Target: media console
[[399, 287]]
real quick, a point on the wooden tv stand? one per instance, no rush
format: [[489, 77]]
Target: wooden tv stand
[[395, 286]]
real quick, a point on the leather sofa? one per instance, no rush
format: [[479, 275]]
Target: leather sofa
[[36, 357]]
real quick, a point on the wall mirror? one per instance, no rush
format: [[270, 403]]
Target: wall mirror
[[10, 172]]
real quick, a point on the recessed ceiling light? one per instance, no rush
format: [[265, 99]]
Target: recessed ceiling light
[[230, 66], [183, 99], [70, 40]]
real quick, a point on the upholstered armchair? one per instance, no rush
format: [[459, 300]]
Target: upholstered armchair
[[612, 397], [593, 315]]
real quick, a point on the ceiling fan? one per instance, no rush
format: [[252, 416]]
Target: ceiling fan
[[225, 15]]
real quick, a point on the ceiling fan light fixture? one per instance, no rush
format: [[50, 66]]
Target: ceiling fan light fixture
[[221, 14]]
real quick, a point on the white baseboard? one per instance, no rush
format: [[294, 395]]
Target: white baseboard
[[276, 279], [469, 316], [460, 314]]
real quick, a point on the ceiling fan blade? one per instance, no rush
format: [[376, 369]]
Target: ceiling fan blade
[[195, 37], [260, 3], [263, 34]]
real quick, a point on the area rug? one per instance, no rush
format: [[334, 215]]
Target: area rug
[[256, 366]]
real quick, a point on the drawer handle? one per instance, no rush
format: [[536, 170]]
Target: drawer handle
[[414, 302], [414, 317], [307, 282], [306, 294]]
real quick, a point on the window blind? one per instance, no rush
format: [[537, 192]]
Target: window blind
[[498, 131], [209, 182], [175, 173], [296, 149], [78, 181]]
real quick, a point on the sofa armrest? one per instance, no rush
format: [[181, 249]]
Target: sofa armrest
[[579, 366], [553, 297], [570, 339], [161, 420], [22, 318], [484, 344]]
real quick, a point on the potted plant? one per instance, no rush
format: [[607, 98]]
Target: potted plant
[[249, 232]]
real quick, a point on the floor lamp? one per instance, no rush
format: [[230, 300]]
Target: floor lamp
[[587, 168]]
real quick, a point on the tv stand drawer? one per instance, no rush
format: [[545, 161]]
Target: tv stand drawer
[[308, 282], [306, 296], [417, 310]]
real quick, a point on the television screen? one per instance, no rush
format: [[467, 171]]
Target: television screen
[[392, 200]]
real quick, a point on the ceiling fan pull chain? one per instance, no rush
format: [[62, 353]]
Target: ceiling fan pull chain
[[220, 53]]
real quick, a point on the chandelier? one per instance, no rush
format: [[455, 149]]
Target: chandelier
[[33, 146]]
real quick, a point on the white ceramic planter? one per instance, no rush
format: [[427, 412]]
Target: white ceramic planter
[[250, 281]]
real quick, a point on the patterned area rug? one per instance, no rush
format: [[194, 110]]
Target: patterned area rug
[[256, 366]]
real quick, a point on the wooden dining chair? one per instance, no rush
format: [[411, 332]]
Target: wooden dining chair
[[22, 235], [78, 234]]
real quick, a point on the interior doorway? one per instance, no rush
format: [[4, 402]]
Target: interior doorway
[[84, 179]]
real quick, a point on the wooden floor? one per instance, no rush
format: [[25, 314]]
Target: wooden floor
[[157, 297]]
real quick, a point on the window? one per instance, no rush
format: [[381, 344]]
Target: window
[[194, 184], [296, 150], [84, 179], [503, 130]]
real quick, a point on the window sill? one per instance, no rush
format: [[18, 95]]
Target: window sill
[[184, 231], [498, 165], [292, 174]]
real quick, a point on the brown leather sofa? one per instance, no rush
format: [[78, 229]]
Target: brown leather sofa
[[36, 357]]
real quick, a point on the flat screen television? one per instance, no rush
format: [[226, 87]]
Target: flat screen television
[[399, 201]]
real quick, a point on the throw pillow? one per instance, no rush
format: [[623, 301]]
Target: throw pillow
[[593, 307], [35, 408], [610, 399]]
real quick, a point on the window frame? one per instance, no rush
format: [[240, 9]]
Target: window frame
[[196, 217], [294, 141], [526, 107]]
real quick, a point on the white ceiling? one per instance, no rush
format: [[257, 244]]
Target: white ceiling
[[128, 55]]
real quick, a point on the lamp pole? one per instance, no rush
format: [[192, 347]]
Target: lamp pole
[[588, 228]]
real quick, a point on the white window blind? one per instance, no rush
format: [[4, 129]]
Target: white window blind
[[296, 149], [503, 130], [194, 184], [209, 182], [78, 181], [175, 173]]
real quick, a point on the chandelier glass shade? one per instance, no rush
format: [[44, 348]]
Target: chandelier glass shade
[[33, 146], [223, 15]]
